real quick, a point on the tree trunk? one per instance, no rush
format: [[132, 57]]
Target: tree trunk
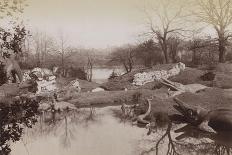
[[62, 64], [222, 50], [194, 57], [174, 57], [126, 68], [165, 50]]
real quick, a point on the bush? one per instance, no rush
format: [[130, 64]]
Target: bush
[[77, 73]]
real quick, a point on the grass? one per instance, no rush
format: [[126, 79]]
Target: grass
[[108, 98], [210, 98]]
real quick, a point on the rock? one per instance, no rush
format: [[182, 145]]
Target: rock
[[74, 84], [146, 77], [180, 88], [64, 105], [194, 88], [98, 89], [46, 86], [26, 75], [44, 106], [69, 91], [42, 72], [44, 78]]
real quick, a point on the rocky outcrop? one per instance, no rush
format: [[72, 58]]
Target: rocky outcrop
[[146, 77]]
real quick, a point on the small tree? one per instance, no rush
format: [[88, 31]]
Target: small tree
[[89, 68], [166, 21], [64, 52]]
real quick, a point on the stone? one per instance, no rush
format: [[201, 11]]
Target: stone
[[146, 77], [98, 89]]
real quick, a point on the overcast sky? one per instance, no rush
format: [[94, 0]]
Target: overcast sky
[[95, 23], [88, 23]]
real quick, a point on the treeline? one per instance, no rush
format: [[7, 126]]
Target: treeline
[[194, 32], [197, 51]]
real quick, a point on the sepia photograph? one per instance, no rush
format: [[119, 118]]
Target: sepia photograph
[[115, 77]]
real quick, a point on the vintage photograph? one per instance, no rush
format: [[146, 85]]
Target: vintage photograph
[[115, 77]]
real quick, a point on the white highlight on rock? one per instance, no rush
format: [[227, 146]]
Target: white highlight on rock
[[98, 89], [145, 77]]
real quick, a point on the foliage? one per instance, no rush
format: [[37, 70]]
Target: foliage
[[77, 73], [13, 40], [149, 53], [204, 51], [14, 118], [9, 7]]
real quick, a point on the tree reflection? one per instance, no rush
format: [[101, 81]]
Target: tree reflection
[[171, 150], [190, 140], [14, 117]]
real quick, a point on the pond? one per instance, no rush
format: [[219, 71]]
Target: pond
[[101, 75], [83, 132], [103, 131]]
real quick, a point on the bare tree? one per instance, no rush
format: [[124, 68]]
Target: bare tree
[[125, 56], [89, 68], [166, 21], [64, 51], [43, 44], [217, 13]]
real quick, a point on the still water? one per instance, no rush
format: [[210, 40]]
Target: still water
[[103, 131], [81, 133], [100, 75]]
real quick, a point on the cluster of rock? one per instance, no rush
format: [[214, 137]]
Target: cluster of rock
[[44, 78], [146, 77]]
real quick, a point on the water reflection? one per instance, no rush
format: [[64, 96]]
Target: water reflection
[[87, 131], [14, 117], [99, 131], [186, 139]]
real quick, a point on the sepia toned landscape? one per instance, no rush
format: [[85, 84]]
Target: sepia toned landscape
[[115, 77]]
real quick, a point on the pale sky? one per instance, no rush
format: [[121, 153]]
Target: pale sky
[[88, 23], [94, 23]]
